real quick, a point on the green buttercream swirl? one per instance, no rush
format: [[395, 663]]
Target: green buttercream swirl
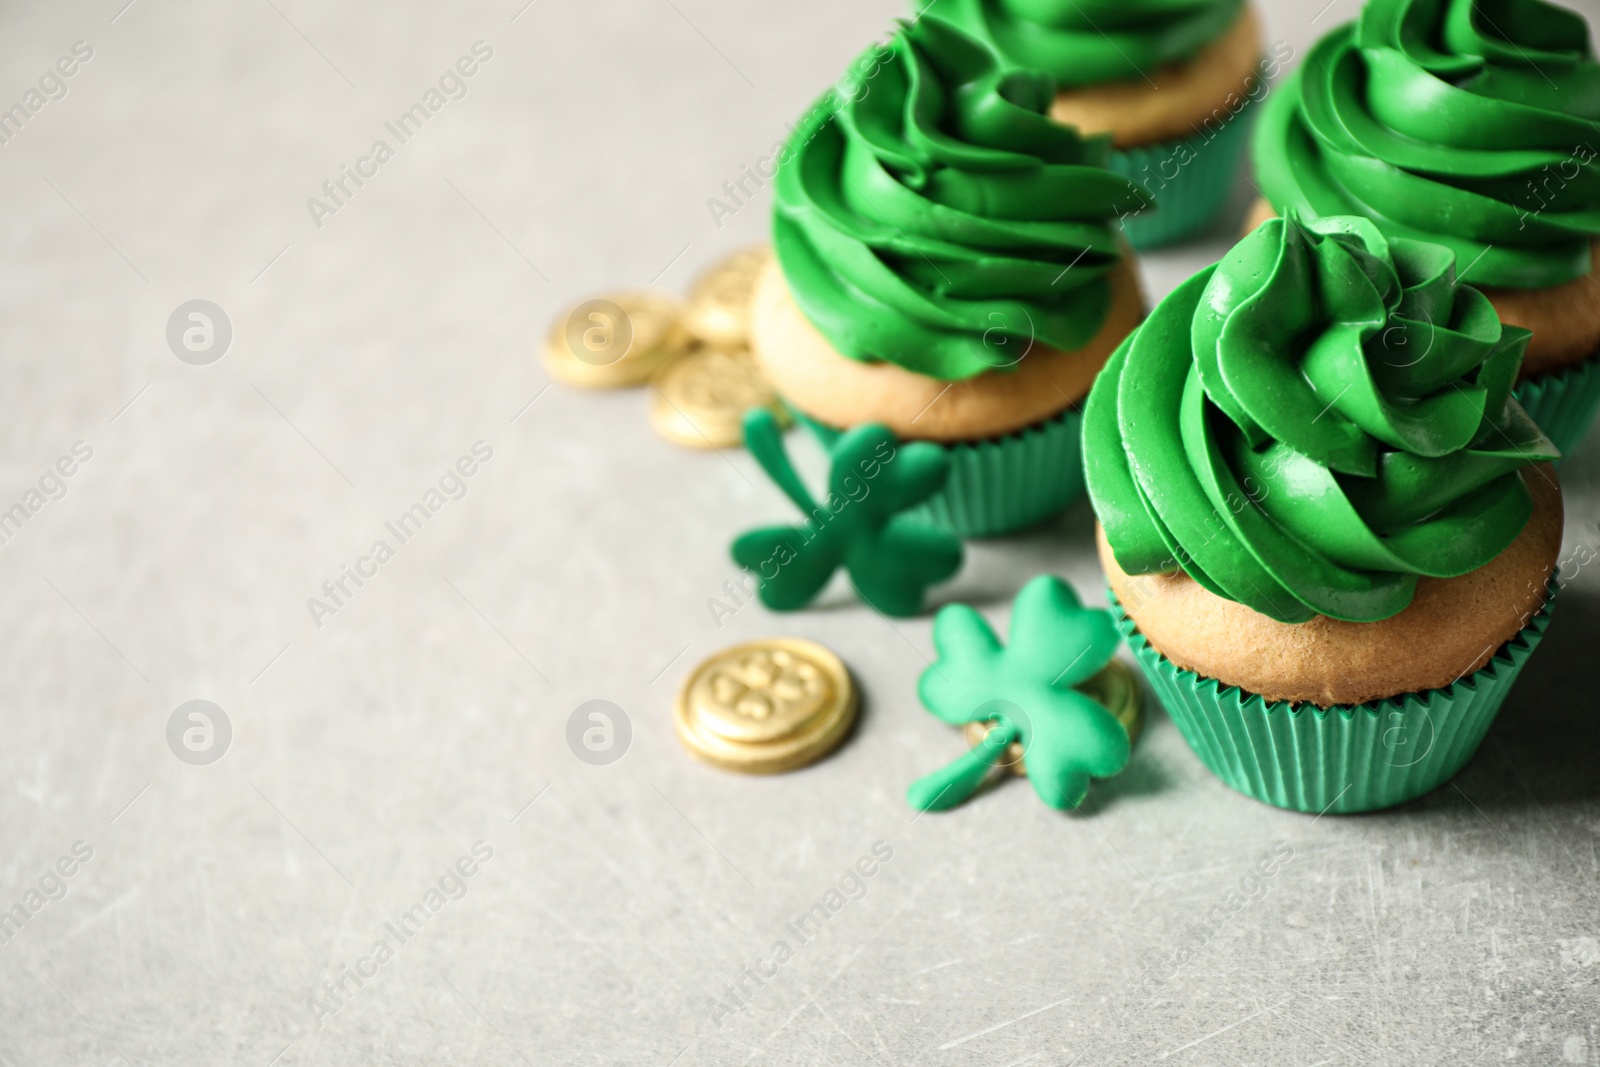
[[1311, 424], [1472, 123], [1085, 42], [931, 215]]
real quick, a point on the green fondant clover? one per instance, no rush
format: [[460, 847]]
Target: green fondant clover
[[1026, 688], [891, 558]]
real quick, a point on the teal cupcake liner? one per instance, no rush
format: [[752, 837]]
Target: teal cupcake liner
[[1563, 404], [1340, 759], [1198, 188], [999, 485]]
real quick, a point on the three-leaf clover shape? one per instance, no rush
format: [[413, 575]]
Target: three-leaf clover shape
[[1026, 688], [891, 558]]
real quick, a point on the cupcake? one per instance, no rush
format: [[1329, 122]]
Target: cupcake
[[1443, 122], [1171, 81], [947, 264], [1330, 558]]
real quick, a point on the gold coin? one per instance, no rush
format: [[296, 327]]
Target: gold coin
[[766, 706], [615, 340], [1011, 758], [700, 400], [1114, 686], [719, 299]]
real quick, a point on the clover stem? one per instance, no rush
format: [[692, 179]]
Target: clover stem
[[764, 439], [958, 780]]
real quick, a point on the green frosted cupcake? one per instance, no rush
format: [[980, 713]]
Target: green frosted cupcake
[[949, 267], [1471, 125], [1331, 559], [1172, 81]]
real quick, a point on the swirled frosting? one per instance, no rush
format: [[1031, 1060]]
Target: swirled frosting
[[1472, 123], [928, 213], [1084, 42], [1311, 424]]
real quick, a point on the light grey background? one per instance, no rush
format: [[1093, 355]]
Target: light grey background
[[371, 752]]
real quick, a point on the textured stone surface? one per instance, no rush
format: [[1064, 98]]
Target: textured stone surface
[[430, 712]]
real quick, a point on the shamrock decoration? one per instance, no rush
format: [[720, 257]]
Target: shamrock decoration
[[892, 558], [1026, 688]]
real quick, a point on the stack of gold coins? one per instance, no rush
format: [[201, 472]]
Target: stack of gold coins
[[766, 706], [616, 340], [697, 357], [1114, 686], [701, 402]]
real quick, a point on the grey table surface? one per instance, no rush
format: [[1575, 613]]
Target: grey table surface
[[613, 910]]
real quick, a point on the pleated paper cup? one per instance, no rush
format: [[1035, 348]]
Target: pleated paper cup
[[1339, 759], [1190, 179]]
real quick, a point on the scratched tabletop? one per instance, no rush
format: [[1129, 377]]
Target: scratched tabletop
[[275, 274]]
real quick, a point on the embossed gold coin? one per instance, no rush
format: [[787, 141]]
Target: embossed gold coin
[[766, 706], [719, 299], [615, 340], [1114, 686], [700, 400]]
